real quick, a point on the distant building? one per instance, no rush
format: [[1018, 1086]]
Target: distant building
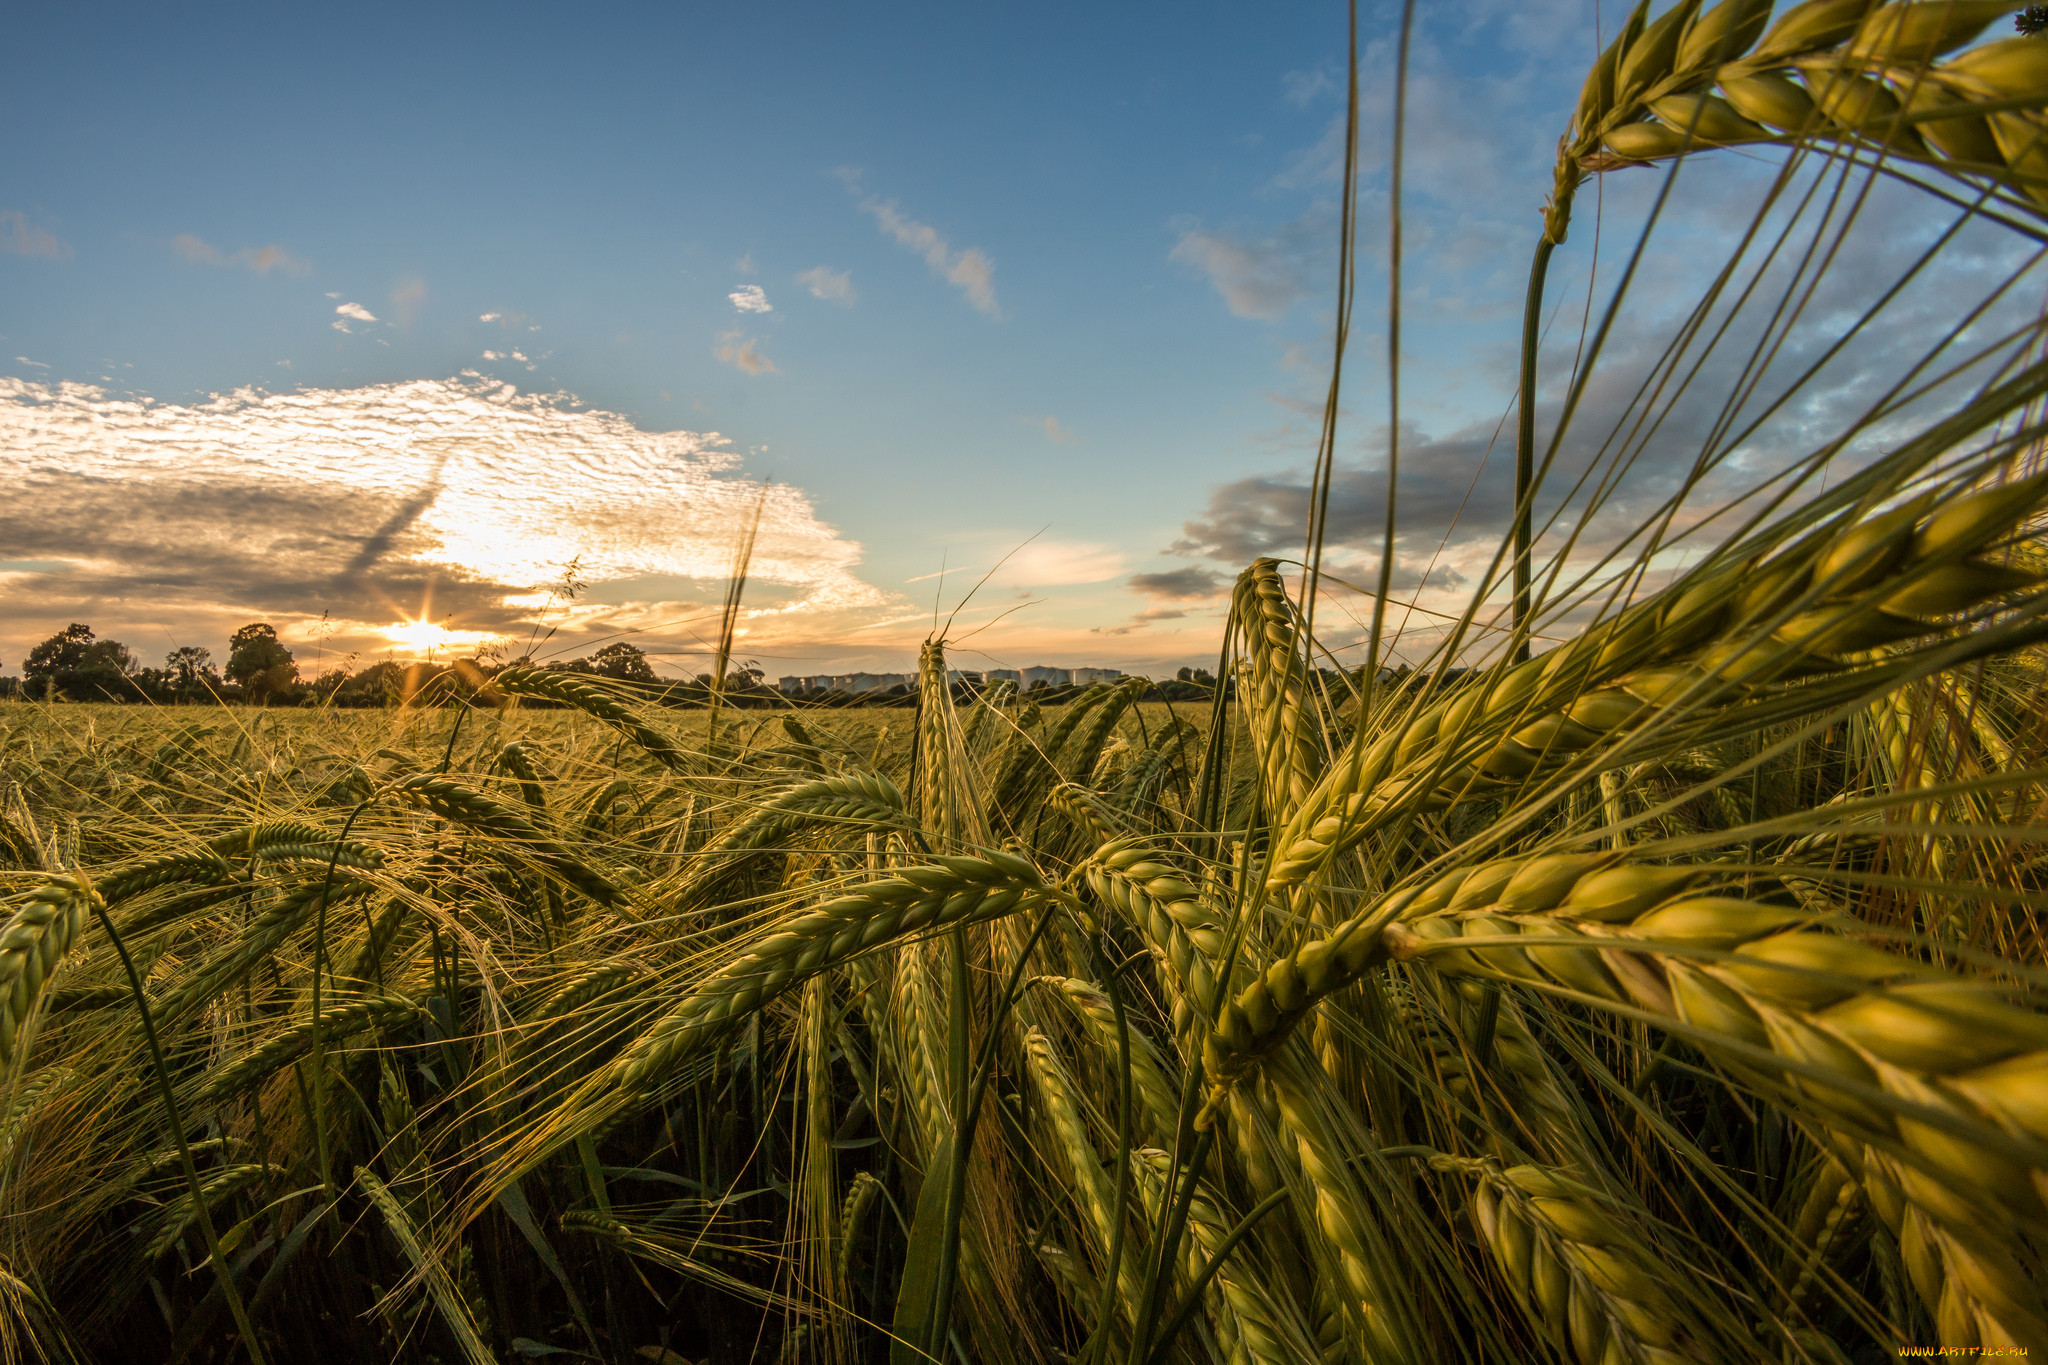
[[843, 682], [1008, 675], [1039, 673], [1094, 675]]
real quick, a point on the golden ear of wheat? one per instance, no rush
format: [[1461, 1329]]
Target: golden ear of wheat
[[464, 805], [568, 690], [1587, 1279], [1276, 692], [950, 891], [1842, 589], [39, 931], [1169, 911], [1886, 1048], [280, 1049], [1836, 70]]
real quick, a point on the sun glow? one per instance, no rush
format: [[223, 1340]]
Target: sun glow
[[427, 637]]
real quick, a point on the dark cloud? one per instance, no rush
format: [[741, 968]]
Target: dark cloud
[[1178, 584], [163, 552], [1645, 424]]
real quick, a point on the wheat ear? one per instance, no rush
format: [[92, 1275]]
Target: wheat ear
[[38, 933], [1577, 1270], [1284, 741], [951, 891], [1844, 588], [568, 690], [335, 1023], [465, 806]]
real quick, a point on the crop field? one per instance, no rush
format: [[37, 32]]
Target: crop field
[[1647, 971]]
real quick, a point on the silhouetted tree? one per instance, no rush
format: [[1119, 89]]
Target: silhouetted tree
[[620, 660], [189, 673], [51, 664], [260, 662], [72, 663]]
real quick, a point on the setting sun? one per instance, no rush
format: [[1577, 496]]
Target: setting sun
[[427, 636]]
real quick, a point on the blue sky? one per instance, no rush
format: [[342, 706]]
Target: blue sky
[[954, 277]]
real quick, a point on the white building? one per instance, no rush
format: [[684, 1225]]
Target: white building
[[1095, 675], [1039, 673], [843, 682]]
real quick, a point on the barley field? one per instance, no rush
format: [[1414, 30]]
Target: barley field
[[1648, 970]]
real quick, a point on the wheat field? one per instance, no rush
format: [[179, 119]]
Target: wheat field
[[1646, 970]]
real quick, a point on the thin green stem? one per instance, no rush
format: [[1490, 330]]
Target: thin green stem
[[1525, 440]]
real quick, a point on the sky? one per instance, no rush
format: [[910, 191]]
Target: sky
[[375, 322]]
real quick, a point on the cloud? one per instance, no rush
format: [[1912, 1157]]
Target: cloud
[[1056, 433], [1057, 563], [22, 359], [742, 354], [260, 260], [511, 322], [370, 502], [1179, 585], [23, 238], [1259, 277], [356, 311], [970, 270], [1638, 433], [406, 299], [1300, 88], [833, 286], [751, 298], [745, 264]]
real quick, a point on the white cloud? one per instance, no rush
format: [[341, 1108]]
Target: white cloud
[[970, 270], [481, 317], [20, 237], [286, 503], [742, 355], [1056, 433], [1300, 88], [493, 355], [1055, 563], [833, 286], [356, 311], [26, 361], [1258, 277], [260, 260], [751, 298]]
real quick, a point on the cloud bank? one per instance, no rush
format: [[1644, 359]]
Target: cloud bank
[[457, 500]]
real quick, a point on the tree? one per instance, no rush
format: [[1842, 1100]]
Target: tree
[[51, 665], [190, 672], [622, 661], [260, 662], [1186, 674], [74, 664], [104, 671]]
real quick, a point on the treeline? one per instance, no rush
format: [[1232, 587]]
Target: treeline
[[258, 669]]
